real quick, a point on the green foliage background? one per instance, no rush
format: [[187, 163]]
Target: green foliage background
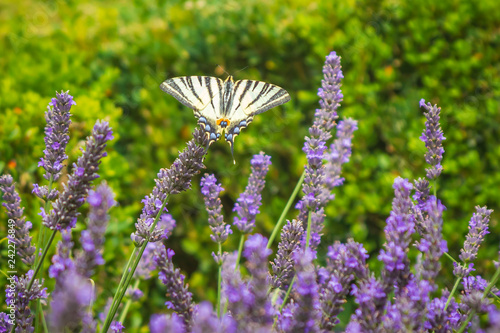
[[112, 57]]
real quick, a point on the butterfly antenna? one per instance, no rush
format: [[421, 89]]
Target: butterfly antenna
[[241, 69], [223, 70]]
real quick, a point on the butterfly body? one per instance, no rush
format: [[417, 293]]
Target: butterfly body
[[224, 106]]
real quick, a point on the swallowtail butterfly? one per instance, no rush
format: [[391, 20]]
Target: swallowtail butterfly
[[224, 106]]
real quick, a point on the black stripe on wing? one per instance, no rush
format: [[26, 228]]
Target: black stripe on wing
[[171, 87]]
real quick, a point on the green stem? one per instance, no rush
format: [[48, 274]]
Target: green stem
[[284, 300], [41, 230], [308, 235], [240, 249], [122, 282], [219, 282], [281, 220], [129, 302], [452, 292], [40, 262], [44, 323], [449, 257], [128, 273]]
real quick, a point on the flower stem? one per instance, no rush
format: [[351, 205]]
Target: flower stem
[[219, 282], [129, 272], [452, 292], [240, 249], [41, 229], [129, 302], [281, 220], [308, 235], [40, 262], [284, 300]]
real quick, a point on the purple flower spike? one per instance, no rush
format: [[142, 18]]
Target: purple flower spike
[[316, 194], [339, 153], [56, 135], [21, 237], [65, 208], [206, 321], [343, 263], [371, 297], [170, 181], [433, 138], [247, 205], [257, 253], [330, 94], [440, 320], [307, 312], [161, 323], [70, 302], [211, 190], [283, 265], [92, 239], [400, 227], [432, 243], [180, 298], [478, 228], [61, 261], [236, 293], [19, 299]]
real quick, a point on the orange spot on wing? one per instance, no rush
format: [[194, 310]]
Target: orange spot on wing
[[223, 119]]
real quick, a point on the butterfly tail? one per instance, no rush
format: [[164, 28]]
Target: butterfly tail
[[232, 154]]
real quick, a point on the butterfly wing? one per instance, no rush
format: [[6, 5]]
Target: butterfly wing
[[251, 98], [203, 94]]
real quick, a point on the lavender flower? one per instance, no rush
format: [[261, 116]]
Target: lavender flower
[[256, 253], [316, 195], [116, 327], [236, 292], [61, 261], [440, 320], [339, 152], [478, 228], [343, 262], [371, 297], [56, 135], [400, 226], [170, 181], [432, 243], [161, 323], [70, 302], [247, 205], [307, 312], [283, 265], [409, 308], [433, 137], [20, 297], [419, 210], [21, 237], [330, 94], [6, 322], [92, 239], [65, 209], [181, 299], [206, 321], [211, 190]]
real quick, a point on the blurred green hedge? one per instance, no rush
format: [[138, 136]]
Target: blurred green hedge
[[113, 56]]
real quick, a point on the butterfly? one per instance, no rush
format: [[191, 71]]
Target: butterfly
[[224, 106]]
